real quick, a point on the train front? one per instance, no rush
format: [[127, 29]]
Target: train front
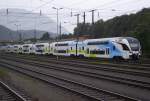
[[135, 48]]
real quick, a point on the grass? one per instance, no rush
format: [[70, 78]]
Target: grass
[[3, 72], [100, 62]]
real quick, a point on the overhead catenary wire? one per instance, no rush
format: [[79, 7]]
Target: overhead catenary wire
[[39, 7], [78, 3], [74, 11], [47, 14], [70, 24]]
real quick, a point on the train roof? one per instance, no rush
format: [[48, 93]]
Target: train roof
[[102, 39], [69, 42], [109, 39], [44, 43], [27, 44]]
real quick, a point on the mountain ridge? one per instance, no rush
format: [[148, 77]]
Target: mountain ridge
[[7, 34], [27, 20]]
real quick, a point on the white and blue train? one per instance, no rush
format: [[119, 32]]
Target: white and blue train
[[111, 48]]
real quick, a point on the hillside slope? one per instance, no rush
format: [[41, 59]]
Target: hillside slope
[[136, 25]]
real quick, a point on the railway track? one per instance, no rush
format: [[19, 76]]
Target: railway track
[[134, 82], [134, 70], [8, 94], [104, 62], [130, 82], [91, 92]]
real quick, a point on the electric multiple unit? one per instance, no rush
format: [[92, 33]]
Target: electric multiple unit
[[111, 48], [120, 47], [65, 48], [28, 48], [9, 48], [17, 49], [42, 48]]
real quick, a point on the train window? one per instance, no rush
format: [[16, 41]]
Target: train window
[[125, 47], [62, 44], [114, 48], [39, 45], [61, 51], [39, 51], [15, 46], [55, 50], [108, 50], [98, 43], [79, 49], [82, 48], [87, 50], [25, 46], [102, 52]]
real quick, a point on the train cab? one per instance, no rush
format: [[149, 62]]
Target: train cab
[[42, 48], [134, 47], [127, 48], [28, 48]]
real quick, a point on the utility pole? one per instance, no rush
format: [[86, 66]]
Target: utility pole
[[98, 15], [77, 18], [60, 30], [77, 36], [40, 12], [57, 9], [71, 13], [92, 16], [35, 32], [34, 35], [20, 34], [7, 11], [11, 37], [20, 37], [84, 18]]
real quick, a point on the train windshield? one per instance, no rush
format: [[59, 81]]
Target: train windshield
[[15, 46], [134, 44], [25, 46], [39, 46]]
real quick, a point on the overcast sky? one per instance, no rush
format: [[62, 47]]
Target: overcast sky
[[105, 9]]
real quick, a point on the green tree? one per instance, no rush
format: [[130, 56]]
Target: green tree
[[82, 29], [45, 36], [135, 25]]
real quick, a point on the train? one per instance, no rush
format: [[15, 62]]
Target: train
[[110, 48]]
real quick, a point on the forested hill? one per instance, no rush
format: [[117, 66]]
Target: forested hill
[[136, 25]]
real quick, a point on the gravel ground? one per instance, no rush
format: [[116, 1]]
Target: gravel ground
[[41, 91], [107, 85]]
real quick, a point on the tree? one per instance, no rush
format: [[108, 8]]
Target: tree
[[135, 25], [45, 36], [82, 29]]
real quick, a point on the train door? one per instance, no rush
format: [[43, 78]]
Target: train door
[[107, 52]]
